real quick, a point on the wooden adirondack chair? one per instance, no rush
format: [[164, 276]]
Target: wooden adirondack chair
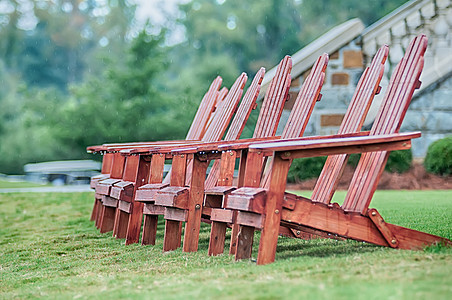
[[366, 89], [103, 210], [146, 194], [300, 114], [353, 219], [196, 131], [179, 203], [128, 213]]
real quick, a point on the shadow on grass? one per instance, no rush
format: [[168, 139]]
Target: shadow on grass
[[289, 248]]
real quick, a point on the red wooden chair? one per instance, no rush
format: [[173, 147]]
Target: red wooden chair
[[196, 131], [128, 213], [104, 206], [365, 91], [354, 219], [146, 194], [173, 201], [309, 94]]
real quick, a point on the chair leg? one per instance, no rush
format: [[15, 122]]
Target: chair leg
[[217, 238], [244, 242], [94, 211], [173, 234], [99, 214], [268, 241], [120, 226], [107, 219], [134, 223], [234, 234], [149, 229]]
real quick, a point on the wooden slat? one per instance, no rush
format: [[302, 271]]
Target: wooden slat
[[275, 97], [401, 87], [205, 109], [306, 99], [238, 123], [223, 114], [365, 91]]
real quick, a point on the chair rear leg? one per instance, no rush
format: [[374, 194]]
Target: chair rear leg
[[149, 229], [95, 209], [244, 242], [234, 235], [217, 238], [98, 214], [107, 219], [173, 235], [120, 226]]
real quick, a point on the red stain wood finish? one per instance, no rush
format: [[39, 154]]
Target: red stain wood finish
[[122, 219], [105, 214], [253, 168], [105, 173], [353, 219], [367, 88], [196, 131], [217, 127], [220, 121]]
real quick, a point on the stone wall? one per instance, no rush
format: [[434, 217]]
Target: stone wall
[[431, 109], [431, 113], [344, 70]]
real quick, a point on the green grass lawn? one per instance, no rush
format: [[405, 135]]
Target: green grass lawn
[[18, 184], [49, 249]]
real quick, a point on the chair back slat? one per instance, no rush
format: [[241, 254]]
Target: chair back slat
[[205, 109], [225, 111], [221, 95], [238, 123], [308, 95], [354, 117], [274, 100], [404, 81], [246, 106]]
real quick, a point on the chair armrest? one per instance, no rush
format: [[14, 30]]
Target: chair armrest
[[196, 147], [138, 145], [296, 148]]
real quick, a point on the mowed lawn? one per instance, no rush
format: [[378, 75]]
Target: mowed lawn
[[50, 249]]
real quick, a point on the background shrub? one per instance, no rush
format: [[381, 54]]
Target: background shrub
[[439, 157], [305, 168], [398, 161]]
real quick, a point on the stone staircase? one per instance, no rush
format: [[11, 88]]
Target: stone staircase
[[351, 47]]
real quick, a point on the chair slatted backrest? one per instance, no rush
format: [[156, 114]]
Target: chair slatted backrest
[[221, 96], [365, 91], [403, 82], [273, 103], [205, 109], [226, 108], [221, 118], [238, 123], [270, 112], [308, 95]]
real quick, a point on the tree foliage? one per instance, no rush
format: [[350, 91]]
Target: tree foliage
[[76, 73]]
